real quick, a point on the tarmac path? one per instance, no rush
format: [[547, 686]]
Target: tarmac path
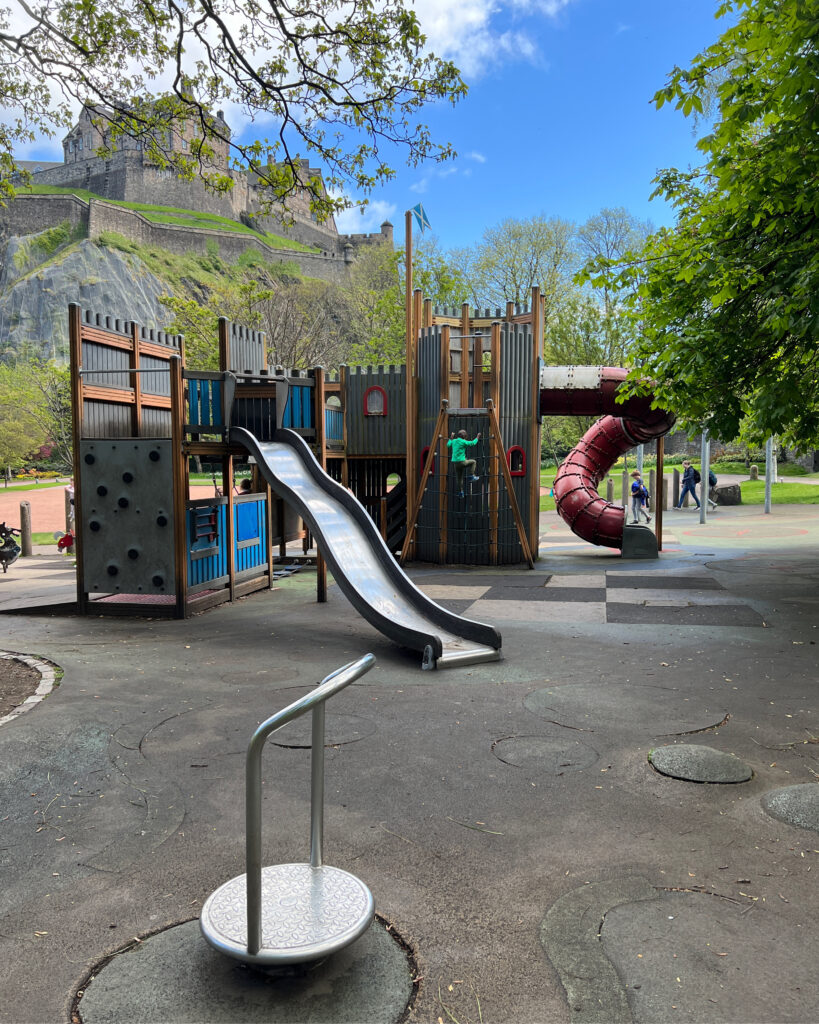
[[506, 816]]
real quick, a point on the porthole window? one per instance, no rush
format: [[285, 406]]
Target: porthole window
[[424, 454], [375, 401], [516, 458]]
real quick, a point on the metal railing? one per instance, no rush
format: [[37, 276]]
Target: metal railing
[[314, 701]]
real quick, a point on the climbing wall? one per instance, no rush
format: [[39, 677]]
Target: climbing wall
[[127, 511]]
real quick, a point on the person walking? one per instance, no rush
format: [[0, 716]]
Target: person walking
[[689, 484], [457, 447], [639, 498]]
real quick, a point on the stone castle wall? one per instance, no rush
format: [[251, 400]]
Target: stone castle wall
[[182, 240]]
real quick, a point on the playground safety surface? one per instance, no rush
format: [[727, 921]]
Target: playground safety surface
[[505, 815]]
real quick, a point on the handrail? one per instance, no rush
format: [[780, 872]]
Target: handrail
[[314, 700]]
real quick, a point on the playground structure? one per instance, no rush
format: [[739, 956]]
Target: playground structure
[[359, 462], [145, 547]]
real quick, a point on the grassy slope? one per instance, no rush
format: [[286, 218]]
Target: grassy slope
[[174, 215]]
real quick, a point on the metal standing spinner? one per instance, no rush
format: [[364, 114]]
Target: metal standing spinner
[[290, 913]]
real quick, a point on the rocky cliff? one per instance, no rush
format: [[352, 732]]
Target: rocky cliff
[[41, 274]]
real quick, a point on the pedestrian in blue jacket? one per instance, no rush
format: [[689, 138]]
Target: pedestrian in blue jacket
[[689, 483]]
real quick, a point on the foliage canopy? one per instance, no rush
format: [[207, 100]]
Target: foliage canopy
[[727, 302], [337, 81]]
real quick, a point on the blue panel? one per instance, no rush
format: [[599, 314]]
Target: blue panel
[[216, 403], [247, 521]]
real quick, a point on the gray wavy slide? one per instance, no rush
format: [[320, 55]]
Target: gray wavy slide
[[361, 563]]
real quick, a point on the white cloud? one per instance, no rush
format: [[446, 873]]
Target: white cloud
[[464, 30], [479, 158], [357, 221]]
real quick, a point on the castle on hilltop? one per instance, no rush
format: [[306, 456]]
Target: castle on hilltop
[[130, 174]]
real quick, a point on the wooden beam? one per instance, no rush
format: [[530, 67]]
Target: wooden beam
[[224, 343], [136, 381], [177, 400], [321, 444], [513, 501], [465, 356], [443, 489], [75, 362], [533, 467], [413, 517], [659, 493]]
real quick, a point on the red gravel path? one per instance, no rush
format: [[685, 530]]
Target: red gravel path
[[48, 506]]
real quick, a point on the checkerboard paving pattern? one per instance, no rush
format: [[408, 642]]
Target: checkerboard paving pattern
[[608, 596]]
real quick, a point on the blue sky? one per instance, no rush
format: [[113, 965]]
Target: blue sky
[[558, 120]]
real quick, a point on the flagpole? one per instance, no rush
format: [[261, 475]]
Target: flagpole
[[412, 447]]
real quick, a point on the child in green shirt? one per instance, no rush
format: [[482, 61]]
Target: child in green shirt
[[457, 447]]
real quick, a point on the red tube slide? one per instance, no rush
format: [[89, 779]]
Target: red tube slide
[[590, 391]]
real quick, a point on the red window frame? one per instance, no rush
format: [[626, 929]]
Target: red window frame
[[522, 470], [375, 387]]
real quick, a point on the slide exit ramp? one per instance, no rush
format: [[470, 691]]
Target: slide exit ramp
[[361, 563]]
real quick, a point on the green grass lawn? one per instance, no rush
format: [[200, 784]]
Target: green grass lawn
[[753, 491], [20, 485], [174, 215]]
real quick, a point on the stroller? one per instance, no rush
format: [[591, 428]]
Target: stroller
[[9, 548]]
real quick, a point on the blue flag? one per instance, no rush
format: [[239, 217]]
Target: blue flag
[[420, 218]]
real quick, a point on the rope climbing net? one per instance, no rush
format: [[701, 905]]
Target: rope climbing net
[[467, 514]]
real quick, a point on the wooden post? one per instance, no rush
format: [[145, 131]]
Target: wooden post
[[427, 314], [410, 341], [179, 491], [534, 436], [513, 501], [270, 557], [224, 344], [443, 486], [75, 358], [321, 443], [477, 370], [660, 500], [342, 394], [416, 508], [135, 382], [26, 547], [465, 356], [230, 535]]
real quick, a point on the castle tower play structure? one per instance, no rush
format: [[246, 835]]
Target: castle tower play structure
[[144, 546], [359, 463]]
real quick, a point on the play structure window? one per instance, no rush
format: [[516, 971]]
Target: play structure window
[[424, 454], [375, 401], [516, 457]]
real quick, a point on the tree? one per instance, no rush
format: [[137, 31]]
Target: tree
[[376, 307], [582, 333], [514, 256], [337, 80], [728, 300], [305, 322], [436, 273], [35, 410]]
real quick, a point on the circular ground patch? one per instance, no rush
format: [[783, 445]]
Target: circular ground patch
[[338, 729], [653, 710], [175, 977], [795, 805], [553, 755], [693, 763]]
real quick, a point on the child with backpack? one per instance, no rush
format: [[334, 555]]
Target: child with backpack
[[690, 479], [639, 498]]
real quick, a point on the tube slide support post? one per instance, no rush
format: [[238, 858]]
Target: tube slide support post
[[705, 453]]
